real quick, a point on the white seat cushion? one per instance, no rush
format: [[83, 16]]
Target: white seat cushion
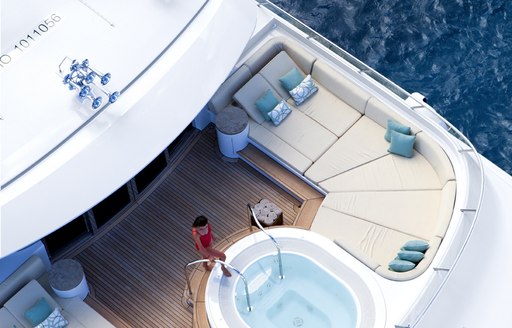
[[249, 93], [277, 68], [328, 110], [362, 143], [7, 320], [277, 147], [303, 133], [415, 213], [25, 298], [391, 172], [371, 240]]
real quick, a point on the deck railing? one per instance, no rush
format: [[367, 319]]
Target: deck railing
[[474, 174]]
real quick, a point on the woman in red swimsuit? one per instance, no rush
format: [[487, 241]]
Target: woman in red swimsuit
[[203, 237]]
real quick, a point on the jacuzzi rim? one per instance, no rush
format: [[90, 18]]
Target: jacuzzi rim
[[215, 313], [350, 290]]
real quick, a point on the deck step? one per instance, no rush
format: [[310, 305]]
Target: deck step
[[307, 213], [277, 173]]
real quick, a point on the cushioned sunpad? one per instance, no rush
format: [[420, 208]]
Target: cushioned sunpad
[[391, 172], [303, 133], [286, 153], [374, 241], [362, 143], [328, 110], [252, 91], [277, 68], [412, 212]]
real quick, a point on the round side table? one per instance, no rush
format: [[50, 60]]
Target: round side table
[[232, 130], [67, 279]]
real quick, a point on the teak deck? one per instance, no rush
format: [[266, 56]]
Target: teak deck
[[135, 269]]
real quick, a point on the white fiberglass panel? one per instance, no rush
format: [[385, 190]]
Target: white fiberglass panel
[[119, 142], [118, 37]]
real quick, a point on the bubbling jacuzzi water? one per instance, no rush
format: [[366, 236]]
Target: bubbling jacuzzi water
[[323, 286], [308, 296]]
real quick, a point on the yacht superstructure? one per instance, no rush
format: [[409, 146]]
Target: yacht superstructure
[[55, 144], [60, 156]]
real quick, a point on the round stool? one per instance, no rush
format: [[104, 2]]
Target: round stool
[[67, 279], [232, 130]]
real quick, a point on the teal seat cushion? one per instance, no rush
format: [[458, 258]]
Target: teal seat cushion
[[401, 265], [38, 312], [415, 245], [304, 90], [395, 126], [401, 144], [291, 79], [266, 103], [279, 113], [412, 256]]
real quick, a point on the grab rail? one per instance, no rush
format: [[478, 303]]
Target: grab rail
[[249, 308], [281, 276]]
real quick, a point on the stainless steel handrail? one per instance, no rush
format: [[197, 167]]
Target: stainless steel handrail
[[249, 308], [281, 276]]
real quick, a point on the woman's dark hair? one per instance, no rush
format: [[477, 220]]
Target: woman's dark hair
[[200, 221]]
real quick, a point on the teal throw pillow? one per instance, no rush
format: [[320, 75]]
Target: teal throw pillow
[[291, 79], [304, 90], [401, 144], [266, 103], [279, 113], [54, 320], [413, 256], [415, 245], [38, 312], [395, 126], [401, 265]]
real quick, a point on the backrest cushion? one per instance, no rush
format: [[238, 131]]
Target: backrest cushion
[[224, 95], [381, 113], [31, 269], [247, 96], [436, 156], [340, 86], [276, 69]]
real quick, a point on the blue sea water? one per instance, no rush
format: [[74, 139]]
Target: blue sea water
[[458, 53]]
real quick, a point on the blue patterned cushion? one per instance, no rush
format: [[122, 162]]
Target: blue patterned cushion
[[415, 245], [395, 126], [413, 256], [401, 265], [38, 312], [266, 103], [401, 144], [291, 79], [279, 113], [304, 90], [54, 320]]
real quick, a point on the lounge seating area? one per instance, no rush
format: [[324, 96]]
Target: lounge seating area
[[376, 200], [27, 301]]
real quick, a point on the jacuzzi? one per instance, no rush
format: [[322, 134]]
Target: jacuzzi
[[318, 289]]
